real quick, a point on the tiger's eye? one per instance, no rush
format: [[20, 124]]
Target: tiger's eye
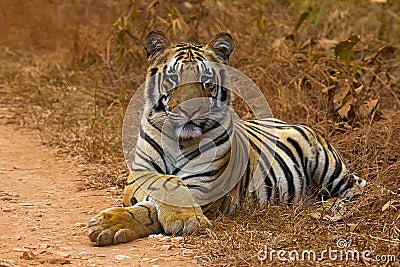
[[174, 78], [209, 87]]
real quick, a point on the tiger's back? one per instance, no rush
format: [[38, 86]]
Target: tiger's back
[[300, 164]]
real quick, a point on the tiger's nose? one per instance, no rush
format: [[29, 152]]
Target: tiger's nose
[[189, 111]]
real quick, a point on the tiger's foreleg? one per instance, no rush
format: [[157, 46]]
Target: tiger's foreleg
[[146, 214], [124, 224], [177, 211]]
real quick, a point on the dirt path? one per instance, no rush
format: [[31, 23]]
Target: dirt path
[[43, 215]]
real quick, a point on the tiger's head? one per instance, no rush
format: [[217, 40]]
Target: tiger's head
[[185, 84]]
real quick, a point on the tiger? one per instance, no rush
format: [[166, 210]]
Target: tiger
[[193, 161]]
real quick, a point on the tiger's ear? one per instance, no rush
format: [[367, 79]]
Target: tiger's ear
[[156, 42], [222, 45]]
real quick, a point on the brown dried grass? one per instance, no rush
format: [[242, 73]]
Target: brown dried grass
[[70, 67]]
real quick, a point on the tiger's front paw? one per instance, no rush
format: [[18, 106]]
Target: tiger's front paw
[[111, 226], [184, 223]]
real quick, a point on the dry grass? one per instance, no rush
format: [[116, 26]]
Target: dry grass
[[70, 67]]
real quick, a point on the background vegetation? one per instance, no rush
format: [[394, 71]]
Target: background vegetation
[[69, 68]]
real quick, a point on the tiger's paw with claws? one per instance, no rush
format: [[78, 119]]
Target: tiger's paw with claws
[[121, 225]]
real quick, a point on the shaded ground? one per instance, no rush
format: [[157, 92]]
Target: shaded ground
[[43, 215]]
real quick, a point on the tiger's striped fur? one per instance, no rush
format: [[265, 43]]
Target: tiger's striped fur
[[193, 159]]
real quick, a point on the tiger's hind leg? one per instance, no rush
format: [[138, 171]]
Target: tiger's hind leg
[[355, 191], [344, 205]]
